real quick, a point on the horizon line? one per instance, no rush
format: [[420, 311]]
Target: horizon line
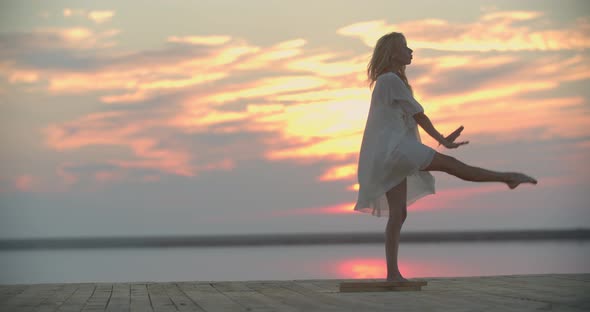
[[273, 239]]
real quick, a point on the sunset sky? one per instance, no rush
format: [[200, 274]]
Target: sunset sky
[[219, 117]]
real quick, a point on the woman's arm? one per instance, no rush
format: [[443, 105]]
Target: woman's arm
[[427, 125]]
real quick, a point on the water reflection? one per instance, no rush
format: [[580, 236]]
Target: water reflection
[[376, 268], [291, 262], [362, 268], [473, 259]]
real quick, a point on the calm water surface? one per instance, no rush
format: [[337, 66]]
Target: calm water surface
[[291, 262]]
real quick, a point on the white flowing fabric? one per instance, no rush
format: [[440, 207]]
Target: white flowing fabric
[[391, 150]]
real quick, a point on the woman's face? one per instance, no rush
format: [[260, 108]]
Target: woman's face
[[404, 56]]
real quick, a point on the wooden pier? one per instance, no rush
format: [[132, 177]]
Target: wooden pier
[[547, 292]]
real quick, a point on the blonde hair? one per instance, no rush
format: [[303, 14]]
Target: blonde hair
[[386, 49]]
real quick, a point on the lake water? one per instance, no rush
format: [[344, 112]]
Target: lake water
[[292, 262]]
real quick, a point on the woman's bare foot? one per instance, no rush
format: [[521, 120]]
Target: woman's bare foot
[[515, 178], [397, 278]]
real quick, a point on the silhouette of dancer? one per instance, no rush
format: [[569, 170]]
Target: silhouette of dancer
[[394, 166]]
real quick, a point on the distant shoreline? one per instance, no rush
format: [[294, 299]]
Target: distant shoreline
[[275, 239]]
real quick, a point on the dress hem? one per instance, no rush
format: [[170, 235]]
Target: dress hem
[[385, 213]]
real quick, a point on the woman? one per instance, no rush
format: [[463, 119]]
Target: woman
[[393, 169]]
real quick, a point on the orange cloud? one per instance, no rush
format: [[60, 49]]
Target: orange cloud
[[506, 98], [325, 122], [514, 118], [67, 12], [26, 76], [94, 129], [72, 38], [142, 88], [329, 128], [135, 80], [101, 16], [322, 65], [344, 172], [265, 87], [201, 40], [493, 31], [314, 105], [100, 129], [95, 16], [265, 57]]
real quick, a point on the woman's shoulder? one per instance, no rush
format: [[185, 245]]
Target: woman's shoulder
[[390, 80], [386, 75], [389, 77]]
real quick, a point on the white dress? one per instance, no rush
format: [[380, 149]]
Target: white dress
[[391, 150]]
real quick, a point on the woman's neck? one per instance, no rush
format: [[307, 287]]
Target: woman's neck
[[395, 68]]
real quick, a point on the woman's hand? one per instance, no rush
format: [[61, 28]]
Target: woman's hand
[[454, 145], [449, 141]]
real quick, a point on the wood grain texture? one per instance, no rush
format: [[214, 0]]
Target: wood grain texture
[[557, 292]]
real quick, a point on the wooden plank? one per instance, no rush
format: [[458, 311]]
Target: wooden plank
[[120, 297], [263, 288], [382, 283], [159, 297], [180, 299], [99, 298], [309, 286], [78, 299], [209, 298], [342, 303], [329, 286], [510, 293], [57, 298], [285, 297], [30, 298], [139, 300], [9, 291], [248, 298], [381, 286], [230, 286]]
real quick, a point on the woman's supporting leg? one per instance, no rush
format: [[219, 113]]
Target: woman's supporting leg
[[451, 165], [396, 198]]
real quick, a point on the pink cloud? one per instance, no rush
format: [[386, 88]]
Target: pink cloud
[[107, 176], [312, 111], [443, 199], [68, 178], [25, 183], [344, 208]]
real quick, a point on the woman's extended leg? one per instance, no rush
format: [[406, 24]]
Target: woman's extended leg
[[396, 198], [451, 165]]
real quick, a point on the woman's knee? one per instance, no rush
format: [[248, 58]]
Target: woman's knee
[[397, 218], [398, 193], [441, 162], [396, 199]]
